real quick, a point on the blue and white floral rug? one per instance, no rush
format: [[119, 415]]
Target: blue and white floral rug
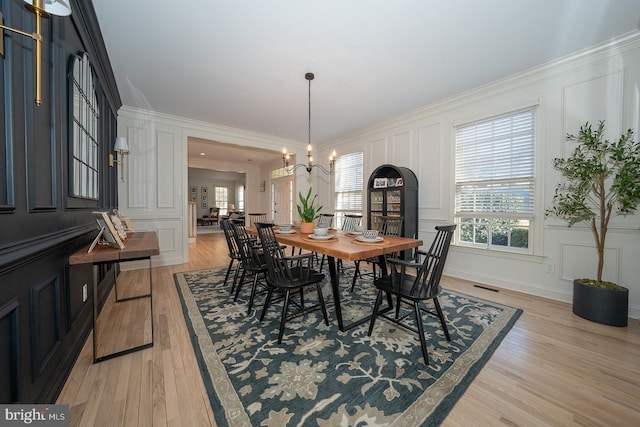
[[320, 376]]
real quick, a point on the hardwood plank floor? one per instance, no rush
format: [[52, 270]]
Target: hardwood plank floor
[[553, 368]]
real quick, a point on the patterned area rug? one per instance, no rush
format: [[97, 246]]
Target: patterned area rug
[[320, 376]]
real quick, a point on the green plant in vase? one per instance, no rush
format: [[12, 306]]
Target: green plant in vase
[[602, 180], [308, 211]]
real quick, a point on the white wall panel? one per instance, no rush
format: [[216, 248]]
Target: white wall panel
[[136, 168], [401, 149], [592, 100], [376, 152], [166, 172], [430, 172], [573, 265]]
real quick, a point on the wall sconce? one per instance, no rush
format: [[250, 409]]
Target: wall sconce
[[41, 9], [122, 148]]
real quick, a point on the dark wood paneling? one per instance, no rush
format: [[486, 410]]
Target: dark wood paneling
[[9, 351], [43, 320], [46, 322]]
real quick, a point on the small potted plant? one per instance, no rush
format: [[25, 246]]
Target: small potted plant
[[602, 180], [308, 212]]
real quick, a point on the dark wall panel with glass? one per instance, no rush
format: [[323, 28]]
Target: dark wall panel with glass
[[43, 318]]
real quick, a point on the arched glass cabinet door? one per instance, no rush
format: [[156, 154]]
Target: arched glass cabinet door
[[84, 171]]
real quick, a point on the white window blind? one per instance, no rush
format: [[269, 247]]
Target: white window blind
[[348, 185], [495, 167]]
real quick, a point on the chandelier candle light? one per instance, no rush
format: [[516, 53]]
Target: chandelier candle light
[[309, 166]]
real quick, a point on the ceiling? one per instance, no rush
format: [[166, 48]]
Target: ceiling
[[242, 63]]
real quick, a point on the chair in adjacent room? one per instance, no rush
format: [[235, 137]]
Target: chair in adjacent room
[[213, 217], [288, 275], [416, 289], [234, 252]]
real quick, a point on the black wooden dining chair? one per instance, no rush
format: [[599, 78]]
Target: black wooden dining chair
[[234, 252], [386, 226], [324, 221], [415, 289], [253, 261], [287, 275], [257, 217], [349, 223]]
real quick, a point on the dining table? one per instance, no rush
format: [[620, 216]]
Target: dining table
[[345, 246]]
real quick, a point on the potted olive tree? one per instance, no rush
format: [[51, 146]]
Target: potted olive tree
[[602, 180], [308, 212]]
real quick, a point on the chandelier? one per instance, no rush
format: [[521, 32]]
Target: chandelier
[[309, 166]]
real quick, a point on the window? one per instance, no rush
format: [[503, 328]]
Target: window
[[494, 173], [348, 186], [241, 198], [85, 148], [221, 197]]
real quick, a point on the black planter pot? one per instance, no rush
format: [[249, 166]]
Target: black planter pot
[[606, 306]]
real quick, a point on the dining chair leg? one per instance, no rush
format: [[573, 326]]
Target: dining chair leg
[[253, 292], [398, 302], [266, 303], [283, 319], [226, 277], [239, 285], [442, 319], [235, 276], [376, 306], [423, 341]]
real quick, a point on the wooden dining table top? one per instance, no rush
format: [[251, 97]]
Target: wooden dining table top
[[344, 246]]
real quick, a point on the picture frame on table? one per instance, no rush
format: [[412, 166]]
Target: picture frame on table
[[126, 222], [379, 182], [119, 226], [108, 231]]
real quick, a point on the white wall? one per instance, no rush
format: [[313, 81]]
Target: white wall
[[155, 190], [603, 83]]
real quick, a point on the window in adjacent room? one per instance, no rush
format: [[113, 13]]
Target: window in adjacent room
[[240, 206], [221, 197], [84, 155], [494, 174], [348, 186]]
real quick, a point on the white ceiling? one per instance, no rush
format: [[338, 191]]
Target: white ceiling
[[242, 63]]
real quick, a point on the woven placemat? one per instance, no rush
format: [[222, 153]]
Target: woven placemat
[[358, 242]]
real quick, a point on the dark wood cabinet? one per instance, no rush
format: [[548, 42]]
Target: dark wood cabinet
[[393, 191]]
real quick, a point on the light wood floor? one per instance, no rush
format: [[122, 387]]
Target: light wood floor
[[553, 368]]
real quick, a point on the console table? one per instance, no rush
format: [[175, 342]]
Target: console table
[[138, 246]]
